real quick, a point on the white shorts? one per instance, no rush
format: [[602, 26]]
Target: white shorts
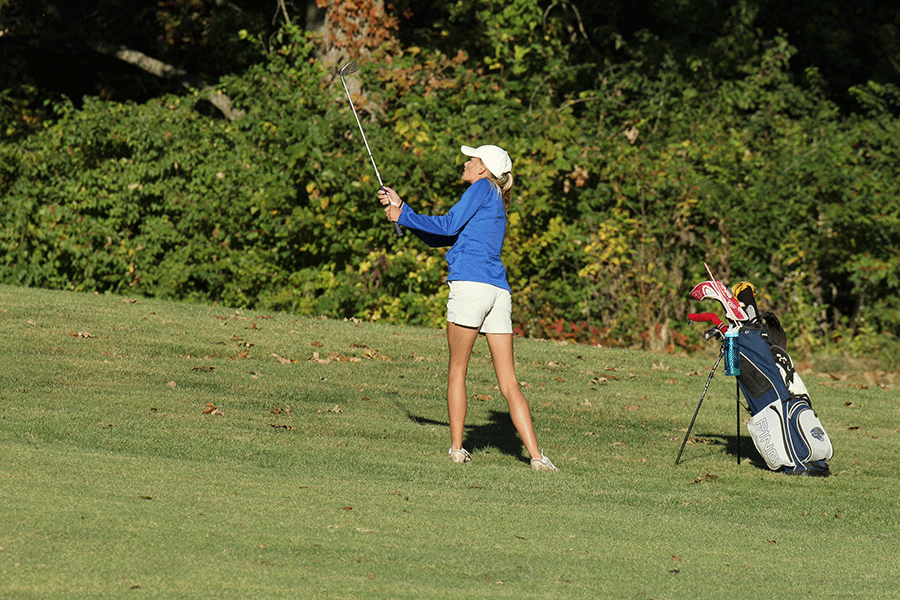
[[479, 305]]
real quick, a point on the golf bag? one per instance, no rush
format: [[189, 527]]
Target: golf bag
[[783, 426]]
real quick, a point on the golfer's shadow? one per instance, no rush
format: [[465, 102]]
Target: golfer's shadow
[[498, 433], [731, 445]]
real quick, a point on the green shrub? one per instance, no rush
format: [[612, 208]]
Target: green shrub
[[625, 188]]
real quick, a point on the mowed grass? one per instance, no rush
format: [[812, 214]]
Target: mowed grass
[[160, 450]]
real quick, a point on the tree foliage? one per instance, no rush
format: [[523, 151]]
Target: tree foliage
[[647, 139]]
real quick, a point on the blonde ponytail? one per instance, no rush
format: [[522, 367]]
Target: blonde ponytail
[[504, 185]]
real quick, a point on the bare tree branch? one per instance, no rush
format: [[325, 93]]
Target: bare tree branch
[[566, 5], [284, 12], [166, 71]]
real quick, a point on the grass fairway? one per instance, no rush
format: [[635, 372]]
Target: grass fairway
[[162, 450]]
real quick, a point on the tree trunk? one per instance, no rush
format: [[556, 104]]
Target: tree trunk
[[166, 71]]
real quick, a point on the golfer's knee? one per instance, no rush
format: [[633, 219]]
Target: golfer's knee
[[512, 393]]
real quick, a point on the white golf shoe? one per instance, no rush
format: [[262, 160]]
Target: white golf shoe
[[542, 464], [460, 456]]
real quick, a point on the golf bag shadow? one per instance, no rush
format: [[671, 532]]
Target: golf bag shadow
[[784, 428]]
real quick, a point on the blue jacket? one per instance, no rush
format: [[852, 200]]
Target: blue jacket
[[474, 228]]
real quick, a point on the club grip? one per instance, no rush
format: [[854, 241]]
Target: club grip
[[398, 230], [708, 317]]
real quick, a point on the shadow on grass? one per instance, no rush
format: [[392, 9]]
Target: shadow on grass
[[730, 444], [498, 433]]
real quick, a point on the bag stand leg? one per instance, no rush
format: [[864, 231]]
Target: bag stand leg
[[737, 404], [737, 396], [702, 396]]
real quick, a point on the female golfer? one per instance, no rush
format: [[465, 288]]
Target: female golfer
[[479, 293]]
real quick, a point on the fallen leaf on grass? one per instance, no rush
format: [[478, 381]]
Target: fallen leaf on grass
[[286, 361], [273, 426], [694, 440], [276, 410], [629, 407], [204, 368], [172, 384], [210, 409], [483, 397], [334, 357], [335, 409], [707, 477], [82, 335]]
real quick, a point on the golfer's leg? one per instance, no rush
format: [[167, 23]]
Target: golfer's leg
[[460, 341], [501, 345]]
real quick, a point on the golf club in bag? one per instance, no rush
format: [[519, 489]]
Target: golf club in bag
[[784, 428], [352, 67]]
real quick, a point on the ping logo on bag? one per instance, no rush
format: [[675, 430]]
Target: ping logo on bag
[[818, 433], [764, 439]]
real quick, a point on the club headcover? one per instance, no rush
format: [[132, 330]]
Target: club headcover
[[745, 292], [716, 289]]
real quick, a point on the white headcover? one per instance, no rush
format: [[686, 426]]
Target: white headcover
[[718, 290]]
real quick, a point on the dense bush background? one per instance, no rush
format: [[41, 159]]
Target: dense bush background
[[638, 155]]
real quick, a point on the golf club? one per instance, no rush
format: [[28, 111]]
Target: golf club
[[352, 67]]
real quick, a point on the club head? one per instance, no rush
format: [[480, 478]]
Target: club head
[[350, 67]]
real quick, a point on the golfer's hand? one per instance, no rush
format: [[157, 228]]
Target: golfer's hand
[[387, 196], [393, 212]]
